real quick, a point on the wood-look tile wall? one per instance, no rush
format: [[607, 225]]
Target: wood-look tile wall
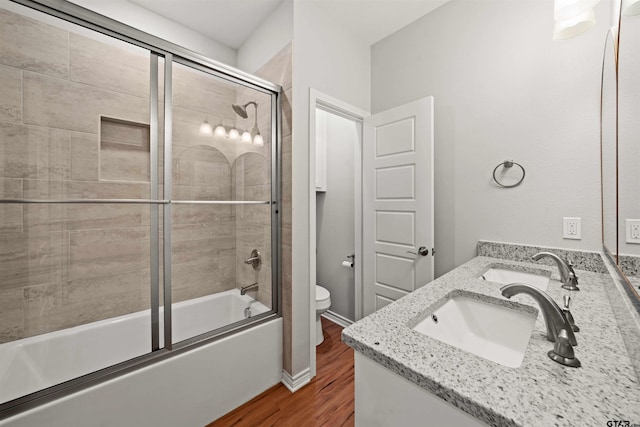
[[65, 265]]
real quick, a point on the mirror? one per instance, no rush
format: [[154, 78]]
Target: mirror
[[629, 146], [620, 147]]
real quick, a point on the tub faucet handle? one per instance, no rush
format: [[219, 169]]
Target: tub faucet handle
[[255, 260]]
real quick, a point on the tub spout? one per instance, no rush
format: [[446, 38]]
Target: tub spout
[[251, 287]]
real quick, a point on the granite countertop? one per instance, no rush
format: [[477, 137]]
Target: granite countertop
[[538, 393]]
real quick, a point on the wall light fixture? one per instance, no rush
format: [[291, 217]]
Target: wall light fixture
[[630, 7], [573, 17]]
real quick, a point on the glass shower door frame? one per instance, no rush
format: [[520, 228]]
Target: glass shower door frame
[[171, 54]]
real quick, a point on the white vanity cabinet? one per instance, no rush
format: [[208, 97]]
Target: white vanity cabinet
[[384, 399]]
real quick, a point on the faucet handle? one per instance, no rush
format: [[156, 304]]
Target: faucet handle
[[254, 260], [572, 281], [563, 351], [570, 265], [566, 300]]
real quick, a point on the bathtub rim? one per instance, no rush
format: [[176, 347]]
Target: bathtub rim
[[58, 391], [234, 292]]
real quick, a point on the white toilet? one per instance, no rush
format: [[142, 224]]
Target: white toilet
[[323, 302]]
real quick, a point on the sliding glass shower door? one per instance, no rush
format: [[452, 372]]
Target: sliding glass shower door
[[221, 200], [75, 159], [132, 178]]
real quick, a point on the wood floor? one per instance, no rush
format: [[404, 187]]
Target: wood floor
[[326, 401]]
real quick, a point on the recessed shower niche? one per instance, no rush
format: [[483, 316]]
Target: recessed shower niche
[[124, 150]]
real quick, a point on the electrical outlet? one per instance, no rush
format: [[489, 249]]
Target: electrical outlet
[[633, 231], [572, 228]]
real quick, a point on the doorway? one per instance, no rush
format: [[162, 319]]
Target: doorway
[[392, 199], [336, 208], [337, 151]]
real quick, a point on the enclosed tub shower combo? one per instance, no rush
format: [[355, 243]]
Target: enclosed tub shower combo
[[139, 204]]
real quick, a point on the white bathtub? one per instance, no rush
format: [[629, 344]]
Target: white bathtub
[[38, 362]]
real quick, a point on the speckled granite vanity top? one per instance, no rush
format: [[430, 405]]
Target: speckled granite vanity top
[[538, 393]]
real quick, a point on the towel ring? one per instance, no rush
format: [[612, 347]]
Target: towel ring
[[508, 164]]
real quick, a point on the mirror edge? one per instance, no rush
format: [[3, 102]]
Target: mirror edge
[[614, 35], [629, 288]]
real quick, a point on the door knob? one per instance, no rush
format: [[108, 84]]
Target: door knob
[[422, 250]]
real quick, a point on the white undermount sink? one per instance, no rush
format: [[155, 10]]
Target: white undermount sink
[[491, 331], [506, 277]]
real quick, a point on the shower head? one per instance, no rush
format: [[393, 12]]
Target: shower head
[[241, 110]]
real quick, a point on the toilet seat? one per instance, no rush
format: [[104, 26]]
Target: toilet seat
[[323, 298], [323, 302], [321, 293]]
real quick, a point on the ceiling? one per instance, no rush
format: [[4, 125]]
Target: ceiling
[[232, 22], [373, 20]]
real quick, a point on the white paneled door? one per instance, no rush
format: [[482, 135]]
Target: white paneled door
[[397, 206]]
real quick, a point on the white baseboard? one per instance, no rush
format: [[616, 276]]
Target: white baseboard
[[296, 382], [336, 318]]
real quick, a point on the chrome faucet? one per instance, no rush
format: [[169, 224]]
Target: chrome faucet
[[251, 287], [553, 317], [567, 275], [558, 328]]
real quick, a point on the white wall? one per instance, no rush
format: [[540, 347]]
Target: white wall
[[335, 215], [159, 26], [329, 58], [268, 39], [503, 90]]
